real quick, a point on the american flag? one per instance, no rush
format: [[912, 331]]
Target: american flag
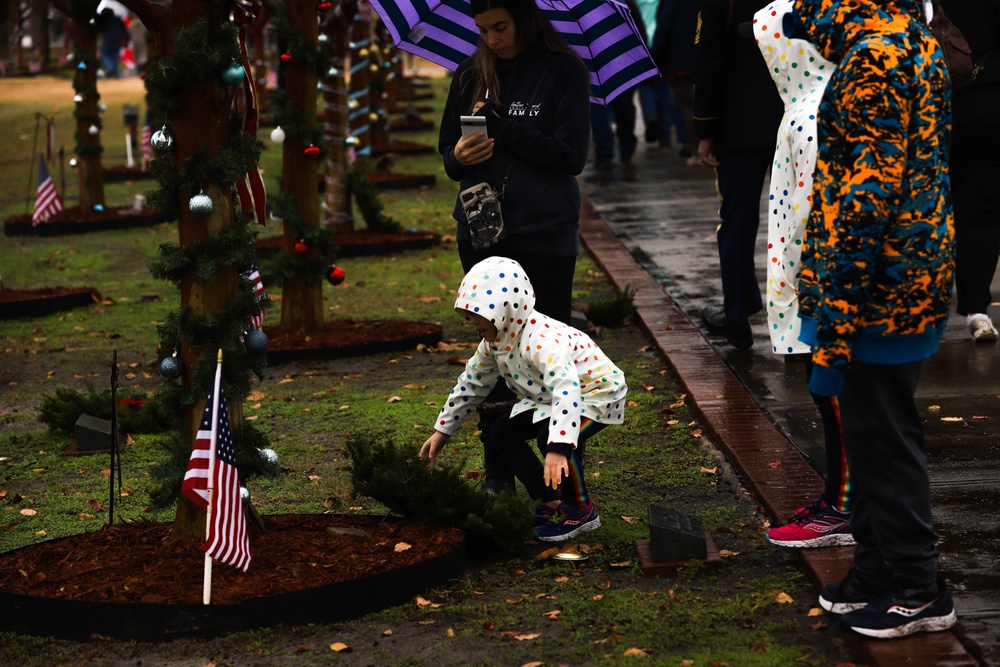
[[253, 275], [48, 202], [146, 143], [227, 538]]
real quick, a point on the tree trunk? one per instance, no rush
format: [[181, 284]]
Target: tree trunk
[[337, 197], [301, 301], [201, 120], [91, 171]]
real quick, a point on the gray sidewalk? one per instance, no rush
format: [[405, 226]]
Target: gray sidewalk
[[662, 214]]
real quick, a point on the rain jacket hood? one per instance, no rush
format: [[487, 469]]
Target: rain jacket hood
[[556, 370], [835, 26]]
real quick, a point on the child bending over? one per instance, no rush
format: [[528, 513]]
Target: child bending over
[[568, 389]]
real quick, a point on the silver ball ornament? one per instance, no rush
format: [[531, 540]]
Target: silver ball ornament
[[170, 368], [233, 74], [78, 98], [269, 455], [93, 130], [244, 494], [278, 135], [161, 141], [200, 204], [256, 341]]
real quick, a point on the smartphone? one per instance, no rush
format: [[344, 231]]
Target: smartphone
[[473, 124]]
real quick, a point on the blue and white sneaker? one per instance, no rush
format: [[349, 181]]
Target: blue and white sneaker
[[899, 611], [569, 521]]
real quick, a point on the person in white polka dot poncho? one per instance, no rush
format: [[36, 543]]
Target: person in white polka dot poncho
[[568, 390]]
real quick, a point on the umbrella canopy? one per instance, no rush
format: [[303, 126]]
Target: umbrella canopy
[[602, 32]]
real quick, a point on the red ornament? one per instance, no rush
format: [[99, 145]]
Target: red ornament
[[335, 275], [312, 151], [286, 56], [301, 248], [324, 5]]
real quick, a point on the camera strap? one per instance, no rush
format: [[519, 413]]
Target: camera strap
[[510, 165]]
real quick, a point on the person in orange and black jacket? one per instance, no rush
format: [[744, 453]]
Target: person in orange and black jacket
[[736, 115], [875, 287], [975, 165]]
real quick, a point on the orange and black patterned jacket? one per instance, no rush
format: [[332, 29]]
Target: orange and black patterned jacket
[[878, 257]]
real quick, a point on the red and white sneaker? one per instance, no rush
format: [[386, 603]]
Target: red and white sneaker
[[819, 525]]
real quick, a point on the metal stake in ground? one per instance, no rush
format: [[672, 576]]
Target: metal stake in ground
[[114, 440]]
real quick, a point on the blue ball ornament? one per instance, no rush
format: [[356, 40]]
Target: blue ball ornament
[[256, 341], [98, 207], [170, 368], [233, 74]]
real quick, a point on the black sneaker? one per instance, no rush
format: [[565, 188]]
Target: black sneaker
[[900, 611], [849, 595], [738, 335]]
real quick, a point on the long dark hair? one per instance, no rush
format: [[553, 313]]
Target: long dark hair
[[532, 29]]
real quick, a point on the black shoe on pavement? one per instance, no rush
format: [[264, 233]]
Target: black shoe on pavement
[[849, 595], [652, 130], [738, 335], [899, 611]]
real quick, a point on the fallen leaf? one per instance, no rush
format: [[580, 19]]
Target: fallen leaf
[[414, 386], [933, 408], [394, 399], [774, 464], [952, 419], [423, 602], [687, 663], [314, 478], [727, 552], [633, 404], [402, 546], [431, 622], [533, 664], [285, 381], [597, 598], [513, 600], [524, 638], [696, 433], [815, 611], [387, 633], [552, 615], [451, 632], [548, 553], [781, 597], [636, 652], [624, 563], [340, 647], [94, 504], [561, 580], [29, 512], [708, 471], [628, 519], [344, 407]]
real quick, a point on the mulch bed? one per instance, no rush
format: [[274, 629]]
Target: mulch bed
[[123, 173], [135, 581], [362, 243], [72, 221], [44, 300], [348, 338], [401, 148]]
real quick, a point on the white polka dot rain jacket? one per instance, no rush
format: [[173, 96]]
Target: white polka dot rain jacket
[[556, 370]]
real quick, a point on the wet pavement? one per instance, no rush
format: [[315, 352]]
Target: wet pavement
[[652, 225]]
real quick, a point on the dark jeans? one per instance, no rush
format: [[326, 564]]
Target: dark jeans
[[740, 179], [884, 440], [838, 488], [511, 435], [622, 111]]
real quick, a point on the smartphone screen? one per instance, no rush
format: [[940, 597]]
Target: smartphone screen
[[474, 124]]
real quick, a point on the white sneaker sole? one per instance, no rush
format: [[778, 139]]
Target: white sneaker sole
[[935, 624], [583, 528], [840, 608], [835, 540]]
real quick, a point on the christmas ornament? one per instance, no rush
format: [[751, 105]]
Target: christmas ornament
[[200, 204], [352, 104], [78, 98], [351, 141], [170, 367], [335, 275], [373, 68], [255, 340], [233, 74], [332, 72], [324, 5], [373, 117], [162, 141], [278, 135], [98, 207], [93, 130], [244, 494], [269, 455], [286, 56], [311, 151], [82, 65], [363, 53], [301, 248], [102, 107], [322, 38], [72, 162]]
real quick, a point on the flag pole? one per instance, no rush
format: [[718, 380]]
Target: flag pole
[[206, 596], [31, 165]]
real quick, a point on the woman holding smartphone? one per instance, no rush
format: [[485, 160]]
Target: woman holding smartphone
[[544, 145]]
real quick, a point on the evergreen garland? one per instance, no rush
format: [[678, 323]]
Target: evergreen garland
[[365, 193], [192, 60]]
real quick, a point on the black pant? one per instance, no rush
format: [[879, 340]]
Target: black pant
[[740, 179], [887, 454]]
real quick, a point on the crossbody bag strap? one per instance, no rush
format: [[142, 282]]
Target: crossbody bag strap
[[510, 165]]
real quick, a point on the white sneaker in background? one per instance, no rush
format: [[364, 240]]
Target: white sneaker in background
[[981, 328]]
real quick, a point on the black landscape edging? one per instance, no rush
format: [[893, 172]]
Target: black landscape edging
[[407, 342], [21, 227], [46, 305]]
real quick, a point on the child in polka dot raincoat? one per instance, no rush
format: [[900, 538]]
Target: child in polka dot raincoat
[[568, 390]]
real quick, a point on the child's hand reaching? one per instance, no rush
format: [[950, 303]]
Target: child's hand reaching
[[433, 445], [556, 466]]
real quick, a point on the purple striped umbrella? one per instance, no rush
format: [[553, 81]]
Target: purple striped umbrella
[[602, 32]]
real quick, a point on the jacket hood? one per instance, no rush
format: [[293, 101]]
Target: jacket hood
[[834, 26], [498, 289], [799, 72]]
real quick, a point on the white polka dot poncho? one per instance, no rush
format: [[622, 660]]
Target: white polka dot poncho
[[556, 370]]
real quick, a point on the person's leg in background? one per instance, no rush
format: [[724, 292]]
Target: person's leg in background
[[623, 108], [649, 104], [683, 88], [604, 137]]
